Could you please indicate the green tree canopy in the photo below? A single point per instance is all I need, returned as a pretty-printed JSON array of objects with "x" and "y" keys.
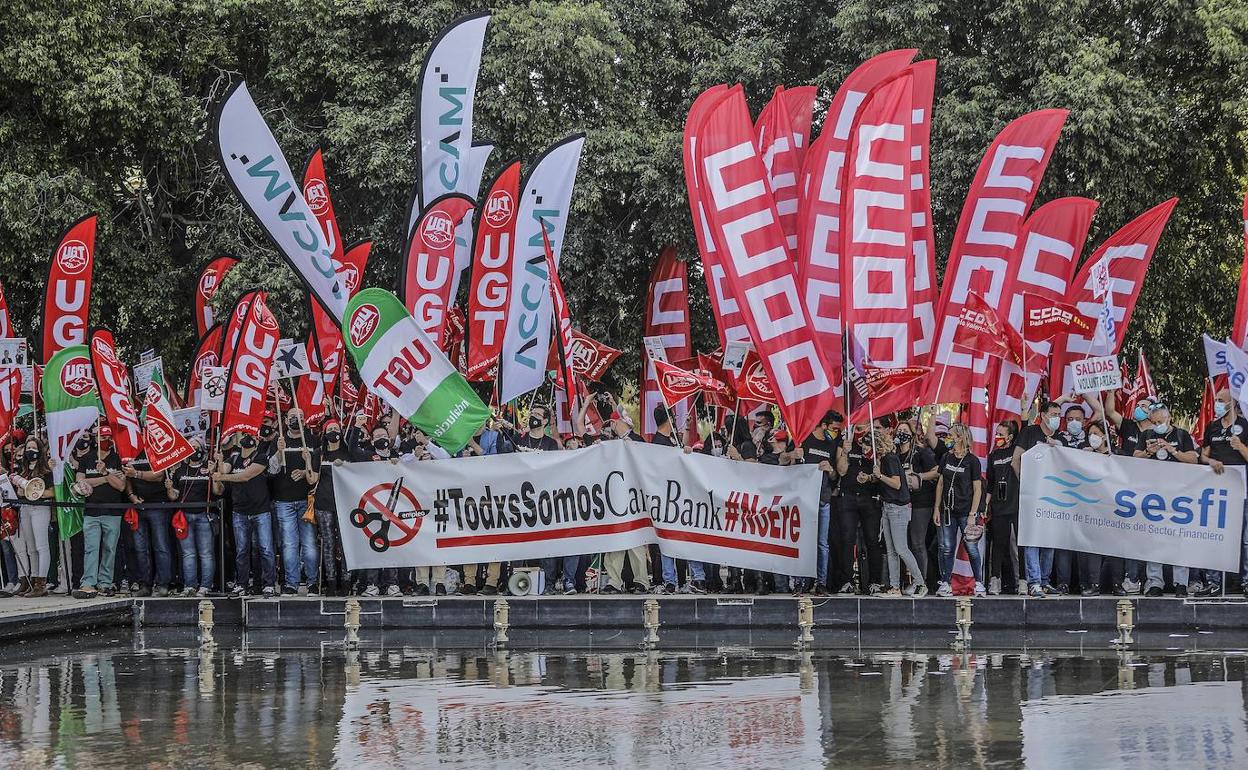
[{"x": 105, "y": 104}]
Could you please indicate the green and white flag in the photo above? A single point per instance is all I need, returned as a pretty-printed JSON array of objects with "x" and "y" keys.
[
  {"x": 70, "y": 402},
  {"x": 401, "y": 365}
]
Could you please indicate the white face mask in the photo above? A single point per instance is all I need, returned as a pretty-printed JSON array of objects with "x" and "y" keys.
[
  {"x": 1075, "y": 427},
  {"x": 1095, "y": 440},
  {"x": 1054, "y": 422}
]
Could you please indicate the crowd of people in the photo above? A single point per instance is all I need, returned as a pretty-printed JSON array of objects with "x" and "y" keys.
[{"x": 258, "y": 517}]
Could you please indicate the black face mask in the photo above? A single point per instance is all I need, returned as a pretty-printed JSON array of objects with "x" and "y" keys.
[
  {"x": 381, "y": 444},
  {"x": 292, "y": 426},
  {"x": 266, "y": 431},
  {"x": 333, "y": 438},
  {"x": 197, "y": 456},
  {"x": 902, "y": 439},
  {"x": 31, "y": 455},
  {"x": 247, "y": 442},
  {"x": 535, "y": 423},
  {"x": 83, "y": 446}
]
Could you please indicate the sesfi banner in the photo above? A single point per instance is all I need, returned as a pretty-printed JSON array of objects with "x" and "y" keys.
[
  {"x": 1163, "y": 512},
  {"x": 608, "y": 497}
]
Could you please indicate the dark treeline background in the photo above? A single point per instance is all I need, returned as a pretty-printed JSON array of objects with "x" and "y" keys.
[{"x": 105, "y": 104}]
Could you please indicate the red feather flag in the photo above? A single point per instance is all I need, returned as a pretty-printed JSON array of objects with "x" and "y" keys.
[
  {"x": 1239, "y": 330},
  {"x": 112, "y": 380},
  {"x": 247, "y": 384},
  {"x": 667, "y": 317},
  {"x": 489, "y": 294},
  {"x": 428, "y": 270},
  {"x": 67, "y": 301},
  {"x": 210, "y": 279},
  {"x": 10, "y": 399}
]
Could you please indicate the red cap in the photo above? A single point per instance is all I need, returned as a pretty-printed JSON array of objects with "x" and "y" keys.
[
  {"x": 269, "y": 414},
  {"x": 17, "y": 435},
  {"x": 105, "y": 430}
]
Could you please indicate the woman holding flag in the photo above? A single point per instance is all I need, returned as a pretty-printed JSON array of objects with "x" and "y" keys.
[{"x": 958, "y": 491}]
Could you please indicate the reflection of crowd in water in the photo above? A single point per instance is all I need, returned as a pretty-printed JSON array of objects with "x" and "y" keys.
[{"x": 125, "y": 707}]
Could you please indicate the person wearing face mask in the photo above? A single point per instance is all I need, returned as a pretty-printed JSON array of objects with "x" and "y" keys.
[
  {"x": 1074, "y": 433},
  {"x": 957, "y": 499},
  {"x": 895, "y": 500},
  {"x": 1167, "y": 443},
  {"x": 536, "y": 440},
  {"x": 31, "y": 544},
  {"x": 293, "y": 473},
  {"x": 1039, "y": 561},
  {"x": 921, "y": 468},
  {"x": 364, "y": 445},
  {"x": 333, "y": 454},
  {"x": 101, "y": 527},
  {"x": 1223, "y": 445},
  {"x": 664, "y": 436},
  {"x": 859, "y": 510},
  {"x": 1002, "y": 510},
  {"x": 1092, "y": 565},
  {"x": 1074, "y": 436},
  {"x": 188, "y": 484},
  {"x": 819, "y": 448},
  {"x": 151, "y": 547},
  {"x": 621, "y": 429},
  {"x": 244, "y": 475}
]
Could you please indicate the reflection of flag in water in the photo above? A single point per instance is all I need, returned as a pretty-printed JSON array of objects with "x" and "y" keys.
[{"x": 963, "y": 579}]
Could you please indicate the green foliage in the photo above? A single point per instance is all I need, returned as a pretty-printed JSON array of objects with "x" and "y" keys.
[{"x": 105, "y": 105}]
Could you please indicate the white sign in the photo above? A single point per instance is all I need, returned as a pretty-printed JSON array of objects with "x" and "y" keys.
[
  {"x": 608, "y": 497},
  {"x": 655, "y": 348},
  {"x": 1096, "y": 374},
  {"x": 12, "y": 352},
  {"x": 1100, "y": 277},
  {"x": 191, "y": 422},
  {"x": 291, "y": 360},
  {"x": 28, "y": 379},
  {"x": 212, "y": 388},
  {"x": 735, "y": 352},
  {"x": 144, "y": 372},
  {"x": 1151, "y": 510}
]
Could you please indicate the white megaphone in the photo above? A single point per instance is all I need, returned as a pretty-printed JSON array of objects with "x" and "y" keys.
[{"x": 526, "y": 581}]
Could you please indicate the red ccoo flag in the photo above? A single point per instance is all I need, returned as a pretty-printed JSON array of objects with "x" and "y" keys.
[
  {"x": 1043, "y": 318},
  {"x": 981, "y": 329}
]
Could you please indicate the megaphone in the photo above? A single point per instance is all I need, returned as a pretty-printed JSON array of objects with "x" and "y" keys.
[{"x": 519, "y": 585}]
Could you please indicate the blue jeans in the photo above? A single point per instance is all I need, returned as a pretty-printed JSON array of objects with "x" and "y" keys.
[
  {"x": 257, "y": 527},
  {"x": 1243, "y": 554},
  {"x": 10, "y": 561},
  {"x": 298, "y": 543},
  {"x": 154, "y": 530},
  {"x": 696, "y": 570},
  {"x": 1039, "y": 563},
  {"x": 198, "y": 562},
  {"x": 825, "y": 549},
  {"x": 550, "y": 567},
  {"x": 949, "y": 536}
]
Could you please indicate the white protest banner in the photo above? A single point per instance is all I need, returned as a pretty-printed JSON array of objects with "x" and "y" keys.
[
  {"x": 1092, "y": 375},
  {"x": 191, "y": 422},
  {"x": 608, "y": 497},
  {"x": 13, "y": 352},
  {"x": 291, "y": 360},
  {"x": 1164, "y": 512},
  {"x": 1215, "y": 356},
  {"x": 655, "y": 348},
  {"x": 144, "y": 371},
  {"x": 212, "y": 388}
]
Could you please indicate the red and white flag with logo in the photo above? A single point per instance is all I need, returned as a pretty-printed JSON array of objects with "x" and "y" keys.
[
  {"x": 164, "y": 445},
  {"x": 210, "y": 279},
  {"x": 247, "y": 384},
  {"x": 112, "y": 380},
  {"x": 489, "y": 293},
  {"x": 67, "y": 301},
  {"x": 428, "y": 270}
]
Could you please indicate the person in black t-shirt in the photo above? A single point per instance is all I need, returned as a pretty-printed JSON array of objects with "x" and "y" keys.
[
  {"x": 895, "y": 502},
  {"x": 919, "y": 463},
  {"x": 1167, "y": 443},
  {"x": 820, "y": 448},
  {"x": 1224, "y": 444},
  {"x": 1091, "y": 564},
  {"x": 664, "y": 436},
  {"x": 1002, "y": 510},
  {"x": 188, "y": 484},
  {"x": 151, "y": 542},
  {"x": 245, "y": 475},
  {"x": 101, "y": 527},
  {"x": 333, "y": 454},
  {"x": 859, "y": 510},
  {"x": 293, "y": 481},
  {"x": 957, "y": 499},
  {"x": 621, "y": 429},
  {"x": 1038, "y": 561}
]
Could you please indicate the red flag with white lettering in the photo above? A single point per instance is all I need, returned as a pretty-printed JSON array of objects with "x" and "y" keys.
[
  {"x": 1045, "y": 318},
  {"x": 325, "y": 348},
  {"x": 1239, "y": 330},
  {"x": 987, "y": 236},
  {"x": 744, "y": 223},
  {"x": 112, "y": 382},
  {"x": 676, "y": 384},
  {"x": 982, "y": 330},
  {"x": 877, "y": 253},
  {"x": 819, "y": 205},
  {"x": 490, "y": 291},
  {"x": 316, "y": 193},
  {"x": 67, "y": 301},
  {"x": 728, "y": 319},
  {"x": 781, "y": 145},
  {"x": 210, "y": 279},
  {"x": 207, "y": 353},
  {"x": 1047, "y": 252},
  {"x": 1129, "y": 252},
  {"x": 163, "y": 445},
  {"x": 667, "y": 317},
  {"x": 591, "y": 358},
  {"x": 428, "y": 270},
  {"x": 752, "y": 382},
  {"x": 247, "y": 384}
]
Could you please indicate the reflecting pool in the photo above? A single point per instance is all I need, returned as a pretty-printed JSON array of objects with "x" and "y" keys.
[{"x": 113, "y": 700}]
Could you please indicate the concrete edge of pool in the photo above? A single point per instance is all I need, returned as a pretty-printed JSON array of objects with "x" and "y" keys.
[{"x": 839, "y": 616}]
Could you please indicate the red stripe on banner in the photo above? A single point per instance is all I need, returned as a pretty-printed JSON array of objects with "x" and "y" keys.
[
  {"x": 728, "y": 542},
  {"x": 588, "y": 530}
]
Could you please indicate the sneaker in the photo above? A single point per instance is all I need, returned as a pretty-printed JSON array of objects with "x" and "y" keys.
[
  {"x": 609, "y": 589},
  {"x": 848, "y": 588},
  {"x": 570, "y": 590},
  {"x": 1061, "y": 589},
  {"x": 188, "y": 592},
  {"x": 979, "y": 589},
  {"x": 684, "y": 589},
  {"x": 1180, "y": 592},
  {"x": 466, "y": 589},
  {"x": 894, "y": 591},
  {"x": 371, "y": 591},
  {"x": 108, "y": 591},
  {"x": 697, "y": 587},
  {"x": 160, "y": 592},
  {"x": 490, "y": 590},
  {"x": 141, "y": 591},
  {"x": 994, "y": 586},
  {"x": 1209, "y": 589},
  {"x": 819, "y": 590},
  {"x": 1153, "y": 592},
  {"x": 124, "y": 587},
  {"x": 1049, "y": 590},
  {"x": 944, "y": 589},
  {"x": 269, "y": 592},
  {"x": 638, "y": 588},
  {"x": 289, "y": 590},
  {"x": 1035, "y": 591},
  {"x": 874, "y": 589},
  {"x": 1120, "y": 591},
  {"x": 85, "y": 593},
  {"x": 302, "y": 590},
  {"x": 396, "y": 591},
  {"x": 1130, "y": 586},
  {"x": 237, "y": 592},
  {"x": 439, "y": 590},
  {"x": 202, "y": 592},
  {"x": 920, "y": 590},
  {"x": 1091, "y": 590}
]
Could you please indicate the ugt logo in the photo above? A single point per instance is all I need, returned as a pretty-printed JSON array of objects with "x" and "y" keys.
[
  {"x": 499, "y": 208},
  {"x": 438, "y": 231},
  {"x": 73, "y": 257},
  {"x": 401, "y": 512}
]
